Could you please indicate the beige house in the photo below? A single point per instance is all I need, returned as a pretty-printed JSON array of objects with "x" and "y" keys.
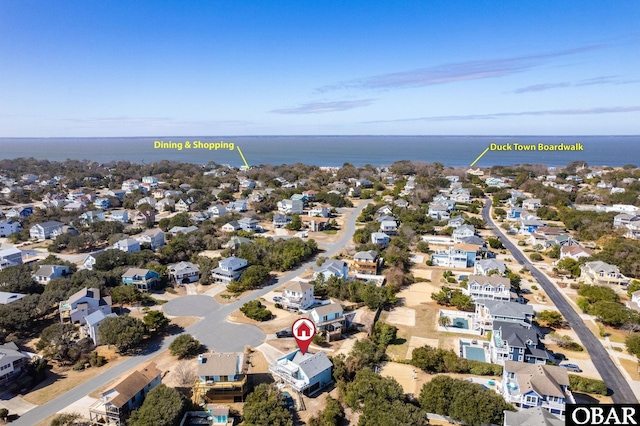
[{"x": 602, "y": 273}]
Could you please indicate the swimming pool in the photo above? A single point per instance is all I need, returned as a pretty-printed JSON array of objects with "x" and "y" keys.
[
  {"x": 475, "y": 354},
  {"x": 460, "y": 323}
]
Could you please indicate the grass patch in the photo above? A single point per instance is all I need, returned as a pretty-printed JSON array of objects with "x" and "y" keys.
[
  {"x": 631, "y": 367},
  {"x": 330, "y": 231}
]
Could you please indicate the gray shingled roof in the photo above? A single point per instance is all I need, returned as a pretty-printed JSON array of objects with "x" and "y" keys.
[
  {"x": 506, "y": 309},
  {"x": 312, "y": 364}
]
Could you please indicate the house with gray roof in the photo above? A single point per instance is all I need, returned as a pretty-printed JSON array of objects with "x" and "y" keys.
[
  {"x": 12, "y": 362},
  {"x": 248, "y": 224},
  {"x": 463, "y": 231},
  {"x": 10, "y": 256},
  {"x": 154, "y": 237},
  {"x": 485, "y": 266},
  {"x": 380, "y": 238},
  {"x": 487, "y": 311},
  {"x": 221, "y": 377},
  {"x": 127, "y": 245},
  {"x": 82, "y": 303},
  {"x": 602, "y": 273},
  {"x": 46, "y": 273},
  {"x": 535, "y": 385},
  {"x": 331, "y": 267},
  {"x": 513, "y": 342},
  {"x": 329, "y": 317},
  {"x": 298, "y": 295},
  {"x": 184, "y": 272},
  {"x": 6, "y": 297},
  {"x": 45, "y": 230},
  {"x": 182, "y": 230},
  {"x": 367, "y": 262},
  {"x": 92, "y": 322},
  {"x": 143, "y": 279},
  {"x": 229, "y": 269},
  {"x": 281, "y": 220},
  {"x": 308, "y": 373},
  {"x": 536, "y": 416}
]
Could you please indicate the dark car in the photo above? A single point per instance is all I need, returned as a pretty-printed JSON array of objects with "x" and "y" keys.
[{"x": 284, "y": 333}]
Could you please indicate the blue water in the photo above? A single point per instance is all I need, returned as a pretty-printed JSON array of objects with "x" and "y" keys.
[
  {"x": 475, "y": 354},
  {"x": 453, "y": 151}
]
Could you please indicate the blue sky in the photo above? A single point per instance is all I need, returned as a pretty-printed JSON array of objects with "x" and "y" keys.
[{"x": 148, "y": 68}]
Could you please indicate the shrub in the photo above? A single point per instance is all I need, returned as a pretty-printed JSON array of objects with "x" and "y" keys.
[
  {"x": 535, "y": 257},
  {"x": 584, "y": 384},
  {"x": 534, "y": 287},
  {"x": 185, "y": 345},
  {"x": 79, "y": 366},
  {"x": 96, "y": 360},
  {"x": 256, "y": 311}
]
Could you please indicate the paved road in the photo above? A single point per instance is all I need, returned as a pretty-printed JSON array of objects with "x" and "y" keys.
[
  {"x": 213, "y": 329},
  {"x": 610, "y": 374}
]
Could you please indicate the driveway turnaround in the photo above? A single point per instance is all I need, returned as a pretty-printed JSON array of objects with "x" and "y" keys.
[{"x": 195, "y": 306}]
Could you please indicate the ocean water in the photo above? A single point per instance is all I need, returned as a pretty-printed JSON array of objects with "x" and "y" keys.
[{"x": 453, "y": 151}]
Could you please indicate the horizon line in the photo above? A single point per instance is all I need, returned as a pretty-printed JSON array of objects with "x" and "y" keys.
[{"x": 308, "y": 136}]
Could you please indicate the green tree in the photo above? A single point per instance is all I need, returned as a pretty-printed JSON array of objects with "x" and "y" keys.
[
  {"x": 155, "y": 320},
  {"x": 552, "y": 319},
  {"x": 125, "y": 294},
  {"x": 332, "y": 415},
  {"x": 59, "y": 342},
  {"x": 265, "y": 406},
  {"x": 184, "y": 346},
  {"x": 612, "y": 313},
  {"x": 124, "y": 332},
  {"x": 598, "y": 293},
  {"x": 632, "y": 343},
  {"x": 495, "y": 243},
  {"x": 633, "y": 287},
  {"x": 110, "y": 259},
  {"x": 295, "y": 224},
  {"x": 162, "y": 406},
  {"x": 463, "y": 401},
  {"x": 256, "y": 311}
]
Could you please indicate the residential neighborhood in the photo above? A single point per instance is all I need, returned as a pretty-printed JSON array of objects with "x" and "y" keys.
[{"x": 405, "y": 272}]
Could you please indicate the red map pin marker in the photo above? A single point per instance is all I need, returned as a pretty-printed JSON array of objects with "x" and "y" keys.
[{"x": 303, "y": 331}]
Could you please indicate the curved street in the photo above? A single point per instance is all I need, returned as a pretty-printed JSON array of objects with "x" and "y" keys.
[
  {"x": 213, "y": 330},
  {"x": 610, "y": 374}
]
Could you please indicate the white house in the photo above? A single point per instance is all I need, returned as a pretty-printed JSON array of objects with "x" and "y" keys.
[
  {"x": 153, "y": 237},
  {"x": 184, "y": 272},
  {"x": 493, "y": 287},
  {"x": 380, "y": 238},
  {"x": 82, "y": 303},
  {"x": 319, "y": 211},
  {"x": 12, "y": 362},
  {"x": 46, "y": 273},
  {"x": 10, "y": 257},
  {"x": 528, "y": 385},
  {"x": 463, "y": 231},
  {"x": 217, "y": 210},
  {"x": 229, "y": 269},
  {"x": 92, "y": 322},
  {"x": 44, "y": 230},
  {"x": 484, "y": 266},
  {"x": 127, "y": 245},
  {"x": 298, "y": 295},
  {"x": 290, "y": 206},
  {"x": 532, "y": 204},
  {"x": 121, "y": 216}
]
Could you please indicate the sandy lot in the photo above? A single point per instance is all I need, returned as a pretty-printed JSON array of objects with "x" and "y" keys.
[
  {"x": 402, "y": 316},
  {"x": 417, "y": 342}
]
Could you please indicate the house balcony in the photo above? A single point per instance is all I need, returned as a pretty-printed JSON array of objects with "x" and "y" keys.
[
  {"x": 223, "y": 386},
  {"x": 285, "y": 374}
]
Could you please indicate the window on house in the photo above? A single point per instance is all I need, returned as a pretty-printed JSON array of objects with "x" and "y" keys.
[{"x": 530, "y": 399}]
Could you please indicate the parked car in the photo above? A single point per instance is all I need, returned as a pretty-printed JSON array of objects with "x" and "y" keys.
[
  {"x": 277, "y": 299},
  {"x": 559, "y": 357},
  {"x": 572, "y": 367},
  {"x": 284, "y": 333}
]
